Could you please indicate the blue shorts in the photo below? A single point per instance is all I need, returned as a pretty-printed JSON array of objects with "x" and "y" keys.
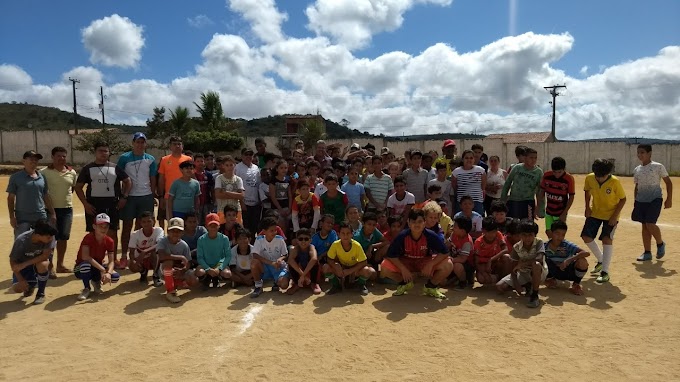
[
  {"x": 64, "y": 223},
  {"x": 647, "y": 212},
  {"x": 521, "y": 209},
  {"x": 271, "y": 273},
  {"x": 30, "y": 274},
  {"x": 177, "y": 214},
  {"x": 135, "y": 205},
  {"x": 592, "y": 227}
]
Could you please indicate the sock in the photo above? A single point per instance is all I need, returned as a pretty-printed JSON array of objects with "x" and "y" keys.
[
  {"x": 595, "y": 250},
  {"x": 361, "y": 280},
  {"x": 334, "y": 280},
  {"x": 579, "y": 273},
  {"x": 42, "y": 282},
  {"x": 534, "y": 295},
  {"x": 85, "y": 273},
  {"x": 608, "y": 252},
  {"x": 169, "y": 280},
  {"x": 258, "y": 283},
  {"x": 429, "y": 284},
  {"x": 660, "y": 244}
]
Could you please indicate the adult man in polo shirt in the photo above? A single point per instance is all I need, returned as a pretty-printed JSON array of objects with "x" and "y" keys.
[
  {"x": 61, "y": 179},
  {"x": 105, "y": 194},
  {"x": 249, "y": 172},
  {"x": 28, "y": 199},
  {"x": 142, "y": 170},
  {"x": 168, "y": 172}
]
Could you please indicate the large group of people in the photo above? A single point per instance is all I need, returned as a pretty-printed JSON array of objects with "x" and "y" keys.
[{"x": 346, "y": 218}]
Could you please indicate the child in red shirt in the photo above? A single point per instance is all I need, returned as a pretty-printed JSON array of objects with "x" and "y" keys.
[
  {"x": 461, "y": 252},
  {"x": 491, "y": 251},
  {"x": 90, "y": 266}
]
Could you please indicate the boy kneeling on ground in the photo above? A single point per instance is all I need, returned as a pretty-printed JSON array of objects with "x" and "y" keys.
[
  {"x": 90, "y": 266},
  {"x": 566, "y": 261}
]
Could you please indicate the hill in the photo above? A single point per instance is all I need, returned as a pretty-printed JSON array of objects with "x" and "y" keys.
[{"x": 22, "y": 116}]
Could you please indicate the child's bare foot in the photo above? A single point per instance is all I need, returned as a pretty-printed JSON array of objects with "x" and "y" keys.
[{"x": 294, "y": 288}]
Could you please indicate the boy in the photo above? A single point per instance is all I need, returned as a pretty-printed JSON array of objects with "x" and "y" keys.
[
  {"x": 142, "y": 247},
  {"x": 608, "y": 201},
  {"x": 529, "y": 269},
  {"x": 491, "y": 260},
  {"x": 306, "y": 208},
  {"x": 340, "y": 170},
  {"x": 229, "y": 188},
  {"x": 333, "y": 201},
  {"x": 478, "y": 150},
  {"x": 192, "y": 232},
  {"x": 372, "y": 240},
  {"x": 269, "y": 258},
  {"x": 417, "y": 249},
  {"x": 440, "y": 179},
  {"x": 523, "y": 184},
  {"x": 303, "y": 264},
  {"x": 461, "y": 252},
  {"x": 416, "y": 177},
  {"x": 184, "y": 193},
  {"x": 90, "y": 266},
  {"x": 241, "y": 258},
  {"x": 175, "y": 256},
  {"x": 230, "y": 227},
  {"x": 395, "y": 226},
  {"x": 207, "y": 182},
  {"x": 466, "y": 209},
  {"x": 648, "y": 200},
  {"x": 354, "y": 190},
  {"x": 401, "y": 201},
  {"x": 520, "y": 154},
  {"x": 499, "y": 211},
  {"x": 512, "y": 235},
  {"x": 565, "y": 260},
  {"x": 378, "y": 186},
  {"x": 346, "y": 258},
  {"x": 29, "y": 260},
  {"x": 325, "y": 237},
  {"x": 214, "y": 254},
  {"x": 558, "y": 190}
]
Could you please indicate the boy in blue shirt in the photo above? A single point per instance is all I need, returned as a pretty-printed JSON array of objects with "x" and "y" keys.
[
  {"x": 303, "y": 265},
  {"x": 355, "y": 191},
  {"x": 184, "y": 193},
  {"x": 565, "y": 260},
  {"x": 326, "y": 236}
]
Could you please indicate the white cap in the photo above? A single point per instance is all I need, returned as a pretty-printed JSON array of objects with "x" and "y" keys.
[
  {"x": 102, "y": 219},
  {"x": 176, "y": 223}
]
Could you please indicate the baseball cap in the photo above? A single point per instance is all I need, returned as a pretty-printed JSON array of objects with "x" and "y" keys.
[
  {"x": 32, "y": 153},
  {"x": 354, "y": 147},
  {"x": 385, "y": 151},
  {"x": 102, "y": 219},
  {"x": 247, "y": 150},
  {"x": 176, "y": 223},
  {"x": 369, "y": 146},
  {"x": 138, "y": 135},
  {"x": 449, "y": 142},
  {"x": 212, "y": 219}
]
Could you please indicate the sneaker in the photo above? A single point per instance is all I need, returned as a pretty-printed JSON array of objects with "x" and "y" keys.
[
  {"x": 215, "y": 282},
  {"x": 334, "y": 290},
  {"x": 434, "y": 292},
  {"x": 116, "y": 265},
  {"x": 275, "y": 288},
  {"x": 157, "y": 282},
  {"x": 39, "y": 299},
  {"x": 603, "y": 278},
  {"x": 597, "y": 269},
  {"x": 53, "y": 275},
  {"x": 97, "y": 286},
  {"x": 461, "y": 285},
  {"x": 528, "y": 289},
  {"x": 29, "y": 291},
  {"x": 316, "y": 289},
  {"x": 576, "y": 289},
  {"x": 144, "y": 277},
  {"x": 84, "y": 295},
  {"x": 256, "y": 292},
  {"x": 205, "y": 283},
  {"x": 534, "y": 303},
  {"x": 363, "y": 290},
  {"x": 294, "y": 288},
  {"x": 403, "y": 288},
  {"x": 647, "y": 256},
  {"x": 551, "y": 283},
  {"x": 661, "y": 250},
  {"x": 172, "y": 297}
]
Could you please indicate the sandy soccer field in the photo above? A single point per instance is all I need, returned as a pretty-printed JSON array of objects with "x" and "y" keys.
[{"x": 626, "y": 330}]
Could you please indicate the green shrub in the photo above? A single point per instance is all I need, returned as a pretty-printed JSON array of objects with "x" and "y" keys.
[{"x": 202, "y": 141}]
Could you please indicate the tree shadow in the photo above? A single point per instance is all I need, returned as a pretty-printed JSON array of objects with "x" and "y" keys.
[
  {"x": 400, "y": 307},
  {"x": 652, "y": 270}
]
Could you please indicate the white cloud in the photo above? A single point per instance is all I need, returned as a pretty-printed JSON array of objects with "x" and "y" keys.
[
  {"x": 264, "y": 17},
  {"x": 114, "y": 41},
  {"x": 200, "y": 21},
  {"x": 13, "y": 77},
  {"x": 584, "y": 70},
  {"x": 354, "y": 22}
]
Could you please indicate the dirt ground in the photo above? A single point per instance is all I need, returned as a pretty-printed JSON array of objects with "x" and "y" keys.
[{"x": 626, "y": 330}]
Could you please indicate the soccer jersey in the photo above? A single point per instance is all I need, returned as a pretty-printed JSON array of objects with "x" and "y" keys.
[
  {"x": 305, "y": 209},
  {"x": 366, "y": 241},
  {"x": 139, "y": 241},
  {"x": 398, "y": 206},
  {"x": 213, "y": 253},
  {"x": 469, "y": 182},
  {"x": 334, "y": 205},
  {"x": 169, "y": 168},
  {"x": 565, "y": 250},
  {"x": 231, "y": 233},
  {"x": 322, "y": 245},
  {"x": 485, "y": 250},
  {"x": 428, "y": 244},
  {"x": 24, "y": 249},
  {"x": 647, "y": 178},
  {"x": 184, "y": 194},
  {"x": 60, "y": 185},
  {"x": 241, "y": 262},
  {"x": 379, "y": 187},
  {"x": 206, "y": 183},
  {"x": 181, "y": 248},
  {"x": 230, "y": 184},
  {"x": 250, "y": 175},
  {"x": 270, "y": 250},
  {"x": 605, "y": 196},
  {"x": 461, "y": 246},
  {"x": 97, "y": 250},
  {"x": 140, "y": 169},
  {"x": 347, "y": 258},
  {"x": 522, "y": 183},
  {"x": 558, "y": 191}
]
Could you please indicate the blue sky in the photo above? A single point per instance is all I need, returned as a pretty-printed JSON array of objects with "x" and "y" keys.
[{"x": 44, "y": 39}]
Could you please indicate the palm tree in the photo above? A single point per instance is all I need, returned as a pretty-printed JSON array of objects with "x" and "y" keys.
[
  {"x": 179, "y": 120},
  {"x": 211, "y": 111},
  {"x": 311, "y": 131}
]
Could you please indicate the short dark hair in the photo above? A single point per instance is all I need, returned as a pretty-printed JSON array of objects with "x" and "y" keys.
[
  {"x": 463, "y": 222},
  {"x": 558, "y": 163},
  {"x": 267, "y": 223},
  {"x": 260, "y": 140},
  {"x": 229, "y": 208},
  {"x": 243, "y": 232},
  {"x": 558, "y": 225},
  {"x": 326, "y": 216},
  {"x": 466, "y": 152},
  {"x": 43, "y": 228},
  {"x": 466, "y": 197},
  {"x": 175, "y": 138},
  {"x": 344, "y": 225},
  {"x": 368, "y": 216},
  {"x": 358, "y": 160},
  {"x": 209, "y": 154},
  {"x": 186, "y": 164},
  {"x": 427, "y": 156},
  {"x": 145, "y": 214},
  {"x": 59, "y": 149},
  {"x": 303, "y": 182},
  {"x": 440, "y": 165},
  {"x": 433, "y": 188},
  {"x": 512, "y": 228},
  {"x": 331, "y": 178},
  {"x": 477, "y": 146},
  {"x": 199, "y": 155},
  {"x": 314, "y": 163},
  {"x": 530, "y": 150},
  {"x": 271, "y": 213},
  {"x": 99, "y": 144},
  {"x": 270, "y": 156},
  {"x": 489, "y": 224},
  {"x": 376, "y": 158},
  {"x": 644, "y": 146},
  {"x": 520, "y": 150},
  {"x": 498, "y": 206},
  {"x": 415, "y": 213},
  {"x": 602, "y": 167},
  {"x": 393, "y": 219},
  {"x": 190, "y": 214},
  {"x": 399, "y": 179},
  {"x": 303, "y": 232},
  {"x": 528, "y": 226}
]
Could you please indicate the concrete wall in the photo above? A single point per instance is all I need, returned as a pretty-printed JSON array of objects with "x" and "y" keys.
[{"x": 579, "y": 155}]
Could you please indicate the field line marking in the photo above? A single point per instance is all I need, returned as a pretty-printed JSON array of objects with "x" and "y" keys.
[
  {"x": 247, "y": 321},
  {"x": 628, "y": 221}
]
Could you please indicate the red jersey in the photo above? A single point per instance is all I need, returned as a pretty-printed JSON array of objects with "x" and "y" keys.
[
  {"x": 305, "y": 209},
  {"x": 485, "y": 250},
  {"x": 97, "y": 250},
  {"x": 557, "y": 192}
]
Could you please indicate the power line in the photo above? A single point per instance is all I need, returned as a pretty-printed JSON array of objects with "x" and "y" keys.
[{"x": 554, "y": 94}]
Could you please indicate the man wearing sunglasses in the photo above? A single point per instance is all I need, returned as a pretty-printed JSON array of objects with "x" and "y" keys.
[{"x": 250, "y": 173}]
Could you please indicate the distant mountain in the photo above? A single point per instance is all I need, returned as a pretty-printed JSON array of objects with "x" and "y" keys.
[{"x": 22, "y": 116}]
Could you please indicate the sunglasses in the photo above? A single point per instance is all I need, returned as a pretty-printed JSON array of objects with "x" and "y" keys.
[{"x": 303, "y": 238}]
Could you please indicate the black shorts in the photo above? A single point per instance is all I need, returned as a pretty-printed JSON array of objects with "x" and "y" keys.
[
  {"x": 521, "y": 209},
  {"x": 107, "y": 206},
  {"x": 568, "y": 274},
  {"x": 647, "y": 212},
  {"x": 592, "y": 226}
]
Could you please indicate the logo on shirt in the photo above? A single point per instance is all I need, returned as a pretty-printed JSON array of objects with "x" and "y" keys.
[{"x": 608, "y": 191}]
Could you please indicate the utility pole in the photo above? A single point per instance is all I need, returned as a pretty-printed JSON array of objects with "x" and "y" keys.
[
  {"x": 101, "y": 105},
  {"x": 553, "y": 92},
  {"x": 75, "y": 110}
]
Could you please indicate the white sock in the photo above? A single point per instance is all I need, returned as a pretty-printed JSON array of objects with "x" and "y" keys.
[
  {"x": 595, "y": 250},
  {"x": 608, "y": 252}
]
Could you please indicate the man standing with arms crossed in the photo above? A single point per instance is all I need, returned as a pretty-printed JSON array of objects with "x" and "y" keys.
[
  {"x": 168, "y": 172},
  {"x": 249, "y": 172}
]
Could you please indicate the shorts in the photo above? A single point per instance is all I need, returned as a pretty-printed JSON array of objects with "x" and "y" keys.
[
  {"x": 412, "y": 264},
  {"x": 647, "y": 212},
  {"x": 161, "y": 210},
  {"x": 570, "y": 273},
  {"x": 30, "y": 274},
  {"x": 85, "y": 267},
  {"x": 103, "y": 205},
  {"x": 147, "y": 262},
  {"x": 549, "y": 220},
  {"x": 525, "y": 277},
  {"x": 269, "y": 272},
  {"x": 521, "y": 209},
  {"x": 21, "y": 228},
  {"x": 592, "y": 226},
  {"x": 64, "y": 223},
  {"x": 181, "y": 215},
  {"x": 135, "y": 205}
]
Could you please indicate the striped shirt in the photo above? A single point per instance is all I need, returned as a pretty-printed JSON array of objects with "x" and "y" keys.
[
  {"x": 558, "y": 191},
  {"x": 379, "y": 187},
  {"x": 565, "y": 250},
  {"x": 469, "y": 182}
]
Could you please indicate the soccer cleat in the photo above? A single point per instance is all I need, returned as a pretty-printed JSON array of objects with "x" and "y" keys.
[
  {"x": 172, "y": 297},
  {"x": 84, "y": 295},
  {"x": 534, "y": 302},
  {"x": 433, "y": 292},
  {"x": 256, "y": 292},
  {"x": 363, "y": 290},
  {"x": 29, "y": 291},
  {"x": 647, "y": 256},
  {"x": 661, "y": 250},
  {"x": 403, "y": 288},
  {"x": 97, "y": 286},
  {"x": 334, "y": 289},
  {"x": 603, "y": 278},
  {"x": 597, "y": 269},
  {"x": 39, "y": 299}
]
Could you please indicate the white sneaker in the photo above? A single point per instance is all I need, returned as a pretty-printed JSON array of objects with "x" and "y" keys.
[
  {"x": 172, "y": 297},
  {"x": 84, "y": 295},
  {"x": 97, "y": 286}
]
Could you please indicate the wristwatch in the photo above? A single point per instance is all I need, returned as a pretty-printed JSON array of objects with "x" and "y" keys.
[{"x": 125, "y": 197}]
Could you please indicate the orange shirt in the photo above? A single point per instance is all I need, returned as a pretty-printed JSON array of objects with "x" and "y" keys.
[
  {"x": 485, "y": 251},
  {"x": 169, "y": 167}
]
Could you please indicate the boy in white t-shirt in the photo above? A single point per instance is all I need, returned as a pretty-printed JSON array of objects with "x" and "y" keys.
[
  {"x": 401, "y": 202},
  {"x": 241, "y": 259},
  {"x": 269, "y": 258},
  {"x": 142, "y": 247}
]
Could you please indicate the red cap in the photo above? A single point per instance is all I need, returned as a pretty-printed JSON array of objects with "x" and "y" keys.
[
  {"x": 449, "y": 142},
  {"x": 212, "y": 219}
]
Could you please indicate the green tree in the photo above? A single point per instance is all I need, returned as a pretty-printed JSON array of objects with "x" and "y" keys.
[
  {"x": 311, "y": 131},
  {"x": 179, "y": 120},
  {"x": 211, "y": 111},
  {"x": 117, "y": 145},
  {"x": 219, "y": 141}
]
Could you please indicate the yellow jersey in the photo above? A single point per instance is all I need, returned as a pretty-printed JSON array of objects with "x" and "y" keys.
[
  {"x": 348, "y": 259},
  {"x": 605, "y": 196}
]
